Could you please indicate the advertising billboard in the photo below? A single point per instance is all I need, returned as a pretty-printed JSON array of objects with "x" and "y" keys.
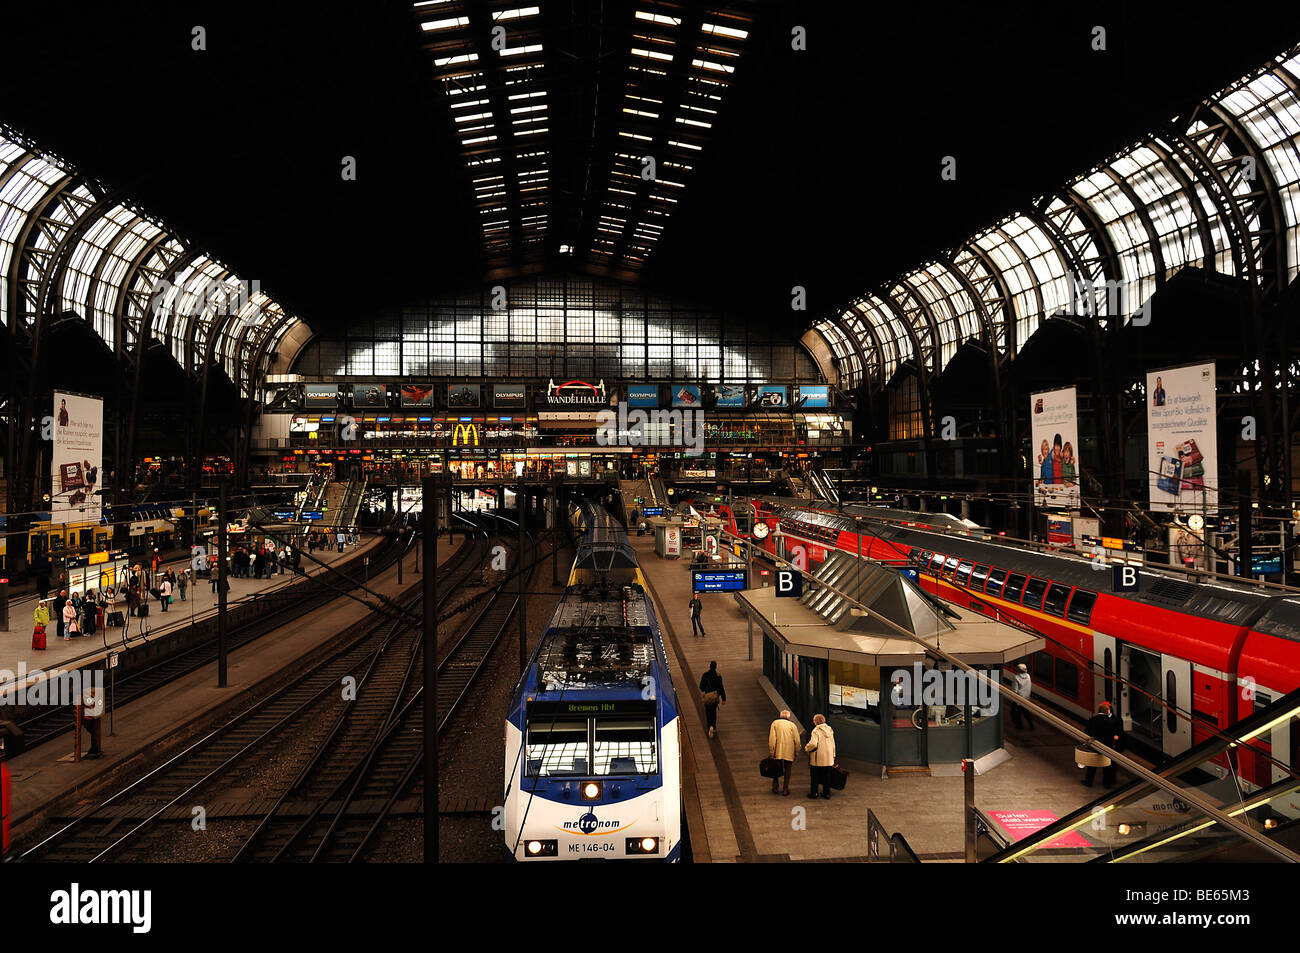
[
  {"x": 369, "y": 395},
  {"x": 417, "y": 395},
  {"x": 510, "y": 396},
  {"x": 813, "y": 395},
  {"x": 643, "y": 395},
  {"x": 1054, "y": 441},
  {"x": 78, "y": 458},
  {"x": 576, "y": 393},
  {"x": 687, "y": 395},
  {"x": 461, "y": 396},
  {"x": 770, "y": 396},
  {"x": 320, "y": 395},
  {"x": 731, "y": 395},
  {"x": 1182, "y": 443}
]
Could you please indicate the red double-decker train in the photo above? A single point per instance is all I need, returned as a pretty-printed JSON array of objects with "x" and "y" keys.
[{"x": 1178, "y": 659}]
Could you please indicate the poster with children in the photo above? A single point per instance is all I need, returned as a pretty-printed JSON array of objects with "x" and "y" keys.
[{"x": 1054, "y": 426}]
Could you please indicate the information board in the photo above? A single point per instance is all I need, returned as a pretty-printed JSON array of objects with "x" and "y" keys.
[{"x": 718, "y": 580}]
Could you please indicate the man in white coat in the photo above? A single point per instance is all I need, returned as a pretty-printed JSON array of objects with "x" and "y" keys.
[
  {"x": 821, "y": 744},
  {"x": 1025, "y": 689},
  {"x": 782, "y": 744}
]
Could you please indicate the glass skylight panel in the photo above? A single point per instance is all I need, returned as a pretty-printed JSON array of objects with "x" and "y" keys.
[
  {"x": 712, "y": 65},
  {"x": 431, "y": 26},
  {"x": 658, "y": 18},
  {"x": 714, "y": 29},
  {"x": 652, "y": 54},
  {"x": 517, "y": 13},
  {"x": 455, "y": 60}
]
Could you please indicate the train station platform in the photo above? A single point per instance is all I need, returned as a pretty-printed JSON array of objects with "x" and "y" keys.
[
  {"x": 22, "y": 666},
  {"x": 152, "y": 728},
  {"x": 730, "y": 809}
]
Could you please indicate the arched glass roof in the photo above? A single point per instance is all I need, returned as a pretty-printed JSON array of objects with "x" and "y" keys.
[
  {"x": 1222, "y": 193},
  {"x": 66, "y": 247}
]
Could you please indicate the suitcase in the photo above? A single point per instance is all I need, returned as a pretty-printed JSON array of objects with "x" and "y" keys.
[
  {"x": 143, "y": 609},
  {"x": 837, "y": 777},
  {"x": 771, "y": 768},
  {"x": 38, "y": 638},
  {"x": 99, "y": 617},
  {"x": 116, "y": 618}
]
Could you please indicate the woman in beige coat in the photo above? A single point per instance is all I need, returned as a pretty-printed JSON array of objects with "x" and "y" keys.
[{"x": 821, "y": 748}]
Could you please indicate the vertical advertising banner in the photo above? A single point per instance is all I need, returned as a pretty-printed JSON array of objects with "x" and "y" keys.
[
  {"x": 1054, "y": 429},
  {"x": 78, "y": 458},
  {"x": 1182, "y": 443}
]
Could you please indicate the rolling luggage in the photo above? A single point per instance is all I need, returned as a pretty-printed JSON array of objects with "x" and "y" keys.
[
  {"x": 38, "y": 638},
  {"x": 837, "y": 777}
]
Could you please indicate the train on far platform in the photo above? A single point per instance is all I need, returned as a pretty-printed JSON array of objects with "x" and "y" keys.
[
  {"x": 592, "y": 737},
  {"x": 1180, "y": 658}
]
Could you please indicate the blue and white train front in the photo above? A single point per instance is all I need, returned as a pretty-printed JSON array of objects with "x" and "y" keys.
[{"x": 594, "y": 779}]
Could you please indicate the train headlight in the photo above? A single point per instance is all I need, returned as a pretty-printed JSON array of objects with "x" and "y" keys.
[
  {"x": 643, "y": 845},
  {"x": 591, "y": 791},
  {"x": 541, "y": 848}
]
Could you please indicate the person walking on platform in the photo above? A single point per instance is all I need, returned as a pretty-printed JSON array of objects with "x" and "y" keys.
[
  {"x": 696, "y": 605},
  {"x": 714, "y": 695},
  {"x": 782, "y": 743},
  {"x": 1025, "y": 689},
  {"x": 822, "y": 747},
  {"x": 60, "y": 601},
  {"x": 164, "y": 593},
  {"x": 1107, "y": 728}
]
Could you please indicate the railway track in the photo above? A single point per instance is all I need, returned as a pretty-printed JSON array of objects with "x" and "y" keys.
[{"x": 125, "y": 826}]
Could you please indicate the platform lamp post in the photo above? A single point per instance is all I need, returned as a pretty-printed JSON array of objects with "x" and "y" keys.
[
  {"x": 429, "y": 491},
  {"x": 221, "y": 587}
]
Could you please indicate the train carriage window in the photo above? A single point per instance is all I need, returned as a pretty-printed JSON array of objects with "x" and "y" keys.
[
  {"x": 962, "y": 576},
  {"x": 1043, "y": 669},
  {"x": 1015, "y": 586},
  {"x": 978, "y": 576},
  {"x": 1034, "y": 590},
  {"x": 996, "y": 578},
  {"x": 936, "y": 564},
  {"x": 1067, "y": 678},
  {"x": 1057, "y": 596},
  {"x": 625, "y": 746},
  {"x": 950, "y": 566},
  {"x": 1081, "y": 604}
]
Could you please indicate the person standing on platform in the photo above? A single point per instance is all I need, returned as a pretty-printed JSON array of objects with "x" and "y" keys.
[
  {"x": 1107, "y": 728},
  {"x": 258, "y": 561},
  {"x": 1025, "y": 689},
  {"x": 60, "y": 601},
  {"x": 714, "y": 695},
  {"x": 69, "y": 626},
  {"x": 92, "y": 710},
  {"x": 89, "y": 609},
  {"x": 40, "y": 622},
  {"x": 696, "y": 605},
  {"x": 822, "y": 747},
  {"x": 183, "y": 582},
  {"x": 164, "y": 593},
  {"x": 782, "y": 744},
  {"x": 340, "y": 539}
]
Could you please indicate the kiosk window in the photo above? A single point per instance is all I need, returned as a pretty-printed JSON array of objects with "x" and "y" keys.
[
  {"x": 1015, "y": 585},
  {"x": 978, "y": 576},
  {"x": 1081, "y": 604},
  {"x": 1057, "y": 596},
  {"x": 1034, "y": 590},
  {"x": 996, "y": 578}
]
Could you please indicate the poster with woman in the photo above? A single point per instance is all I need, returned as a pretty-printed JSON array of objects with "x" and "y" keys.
[
  {"x": 1182, "y": 441},
  {"x": 1054, "y": 429}
]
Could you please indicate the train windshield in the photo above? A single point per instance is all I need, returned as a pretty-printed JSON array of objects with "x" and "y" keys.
[{"x": 591, "y": 747}]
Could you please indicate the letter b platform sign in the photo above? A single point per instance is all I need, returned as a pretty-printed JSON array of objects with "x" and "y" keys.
[
  {"x": 789, "y": 583},
  {"x": 1124, "y": 578}
]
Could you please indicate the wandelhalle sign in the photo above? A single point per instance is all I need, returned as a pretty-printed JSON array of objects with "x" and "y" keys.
[{"x": 576, "y": 393}]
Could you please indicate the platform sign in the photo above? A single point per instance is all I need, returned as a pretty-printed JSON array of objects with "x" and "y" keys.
[
  {"x": 1125, "y": 578},
  {"x": 725, "y": 580},
  {"x": 312, "y": 515},
  {"x": 789, "y": 583},
  {"x": 112, "y": 659},
  {"x": 285, "y": 515},
  {"x": 1182, "y": 439},
  {"x": 1020, "y": 824},
  {"x": 653, "y": 511}
]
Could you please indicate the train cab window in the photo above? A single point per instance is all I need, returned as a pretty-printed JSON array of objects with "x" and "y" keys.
[
  {"x": 1081, "y": 604},
  {"x": 1034, "y": 590},
  {"x": 1015, "y": 586},
  {"x": 1067, "y": 678},
  {"x": 936, "y": 564},
  {"x": 978, "y": 576},
  {"x": 950, "y": 566},
  {"x": 1057, "y": 596},
  {"x": 962, "y": 575},
  {"x": 625, "y": 745},
  {"x": 557, "y": 746},
  {"x": 996, "y": 578}
]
